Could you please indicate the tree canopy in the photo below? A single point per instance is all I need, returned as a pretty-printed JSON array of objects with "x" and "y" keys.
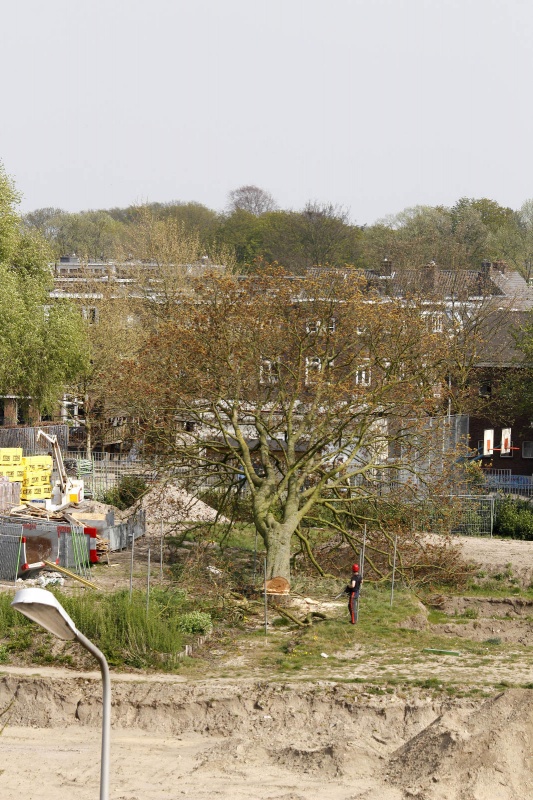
[
  {"x": 41, "y": 344},
  {"x": 300, "y": 389}
]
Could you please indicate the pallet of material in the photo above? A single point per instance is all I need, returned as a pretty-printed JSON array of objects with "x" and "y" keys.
[
  {"x": 37, "y": 463},
  {"x": 9, "y": 494},
  {"x": 11, "y": 456},
  {"x": 36, "y": 493},
  {"x": 39, "y": 512}
]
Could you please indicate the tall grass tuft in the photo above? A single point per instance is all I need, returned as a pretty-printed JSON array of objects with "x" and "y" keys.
[{"x": 121, "y": 627}]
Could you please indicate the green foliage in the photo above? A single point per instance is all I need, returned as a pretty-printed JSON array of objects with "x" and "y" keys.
[
  {"x": 129, "y": 489},
  {"x": 120, "y": 627},
  {"x": 196, "y": 622},
  {"x": 41, "y": 347},
  {"x": 514, "y": 518}
]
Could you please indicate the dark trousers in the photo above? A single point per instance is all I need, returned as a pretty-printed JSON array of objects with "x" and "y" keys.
[{"x": 351, "y": 606}]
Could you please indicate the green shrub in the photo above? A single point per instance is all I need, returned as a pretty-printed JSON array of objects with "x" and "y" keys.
[
  {"x": 514, "y": 518},
  {"x": 128, "y": 490},
  {"x": 198, "y": 622}
]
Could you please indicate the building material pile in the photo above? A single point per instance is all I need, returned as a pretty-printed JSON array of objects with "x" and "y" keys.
[
  {"x": 32, "y": 473},
  {"x": 37, "y": 478},
  {"x": 39, "y": 512},
  {"x": 9, "y": 493},
  {"x": 170, "y": 506}
]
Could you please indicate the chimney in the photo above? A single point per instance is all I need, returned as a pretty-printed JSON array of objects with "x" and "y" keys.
[
  {"x": 430, "y": 276},
  {"x": 485, "y": 268},
  {"x": 386, "y": 268}
]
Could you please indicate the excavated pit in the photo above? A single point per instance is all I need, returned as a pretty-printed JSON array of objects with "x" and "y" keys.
[{"x": 280, "y": 741}]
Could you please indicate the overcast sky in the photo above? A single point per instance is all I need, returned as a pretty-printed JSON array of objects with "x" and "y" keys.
[{"x": 375, "y": 105}]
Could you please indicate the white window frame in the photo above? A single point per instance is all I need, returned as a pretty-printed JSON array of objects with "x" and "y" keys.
[
  {"x": 313, "y": 365},
  {"x": 363, "y": 374},
  {"x": 530, "y": 448},
  {"x": 510, "y": 454},
  {"x": 90, "y": 314},
  {"x": 269, "y": 371},
  {"x": 434, "y": 321}
]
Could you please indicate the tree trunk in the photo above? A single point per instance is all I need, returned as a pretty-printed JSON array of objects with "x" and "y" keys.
[{"x": 278, "y": 547}]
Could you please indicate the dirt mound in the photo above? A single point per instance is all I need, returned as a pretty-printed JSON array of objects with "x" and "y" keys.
[
  {"x": 485, "y": 755},
  {"x": 288, "y": 741},
  {"x": 168, "y": 505},
  {"x": 489, "y": 606},
  {"x": 488, "y": 630}
]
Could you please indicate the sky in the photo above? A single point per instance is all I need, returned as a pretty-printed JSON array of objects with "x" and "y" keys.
[{"x": 373, "y": 105}]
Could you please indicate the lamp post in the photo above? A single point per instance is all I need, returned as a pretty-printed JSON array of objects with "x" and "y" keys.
[{"x": 42, "y": 607}]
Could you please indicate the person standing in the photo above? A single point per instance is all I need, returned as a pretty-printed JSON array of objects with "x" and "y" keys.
[{"x": 353, "y": 590}]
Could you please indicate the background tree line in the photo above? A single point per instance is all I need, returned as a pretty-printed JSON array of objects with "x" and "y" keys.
[{"x": 254, "y": 228}]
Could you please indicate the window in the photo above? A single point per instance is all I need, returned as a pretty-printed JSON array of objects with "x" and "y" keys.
[
  {"x": 90, "y": 313},
  {"x": 313, "y": 366},
  {"x": 315, "y": 326},
  {"x": 509, "y": 454},
  {"x": 269, "y": 371},
  {"x": 527, "y": 450},
  {"x": 485, "y": 389},
  {"x": 434, "y": 321},
  {"x": 363, "y": 375}
]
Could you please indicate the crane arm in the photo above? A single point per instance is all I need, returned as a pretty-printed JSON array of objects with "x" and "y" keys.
[{"x": 52, "y": 439}]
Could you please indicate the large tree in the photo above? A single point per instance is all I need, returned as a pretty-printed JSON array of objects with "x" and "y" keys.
[
  {"x": 297, "y": 388},
  {"x": 41, "y": 343},
  {"x": 252, "y": 199}
]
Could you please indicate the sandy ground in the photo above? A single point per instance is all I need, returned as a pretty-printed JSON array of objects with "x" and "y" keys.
[
  {"x": 247, "y": 739},
  {"x": 495, "y": 555},
  {"x": 324, "y": 735}
]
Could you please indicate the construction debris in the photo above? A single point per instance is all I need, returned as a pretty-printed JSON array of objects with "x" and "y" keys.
[
  {"x": 47, "y": 579},
  {"x": 102, "y": 548},
  {"x": 39, "y": 511},
  {"x": 70, "y": 574}
]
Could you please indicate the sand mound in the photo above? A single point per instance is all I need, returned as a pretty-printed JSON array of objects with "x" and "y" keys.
[{"x": 485, "y": 756}]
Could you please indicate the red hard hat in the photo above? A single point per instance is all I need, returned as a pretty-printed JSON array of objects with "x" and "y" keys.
[{"x": 355, "y": 568}]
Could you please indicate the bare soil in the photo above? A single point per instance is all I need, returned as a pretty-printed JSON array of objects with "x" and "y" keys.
[
  {"x": 270, "y": 741},
  {"x": 358, "y": 724}
]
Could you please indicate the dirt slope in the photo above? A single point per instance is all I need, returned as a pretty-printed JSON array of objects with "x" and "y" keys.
[{"x": 247, "y": 739}]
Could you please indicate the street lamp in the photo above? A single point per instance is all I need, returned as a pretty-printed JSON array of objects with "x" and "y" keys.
[{"x": 42, "y": 607}]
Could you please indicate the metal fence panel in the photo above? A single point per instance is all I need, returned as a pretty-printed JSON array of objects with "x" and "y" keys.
[
  {"x": 103, "y": 472},
  {"x": 27, "y": 438},
  {"x": 475, "y": 516},
  {"x": 121, "y": 536},
  {"x": 42, "y": 538},
  {"x": 10, "y": 552}
]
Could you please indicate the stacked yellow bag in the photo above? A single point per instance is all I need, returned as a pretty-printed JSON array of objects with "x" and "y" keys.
[
  {"x": 37, "y": 478},
  {"x": 11, "y": 463}
]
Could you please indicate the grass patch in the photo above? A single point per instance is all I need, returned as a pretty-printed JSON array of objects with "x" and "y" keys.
[{"x": 120, "y": 627}]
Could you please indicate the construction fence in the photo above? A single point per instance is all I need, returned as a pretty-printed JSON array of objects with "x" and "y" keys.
[{"x": 26, "y": 544}]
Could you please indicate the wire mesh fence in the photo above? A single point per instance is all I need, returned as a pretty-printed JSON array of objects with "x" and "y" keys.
[
  {"x": 102, "y": 472},
  {"x": 10, "y": 552},
  {"x": 475, "y": 515}
]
